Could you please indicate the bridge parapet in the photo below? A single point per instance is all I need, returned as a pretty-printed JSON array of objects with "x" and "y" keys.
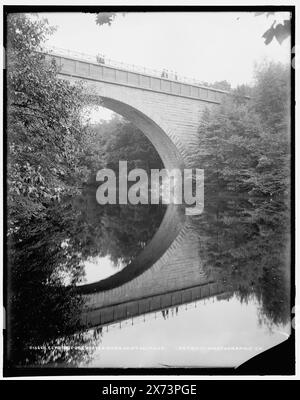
[
  {"x": 86, "y": 66},
  {"x": 96, "y": 317}
]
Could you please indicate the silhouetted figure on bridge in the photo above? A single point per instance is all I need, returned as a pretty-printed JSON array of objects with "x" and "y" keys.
[
  {"x": 100, "y": 59},
  {"x": 164, "y": 73}
]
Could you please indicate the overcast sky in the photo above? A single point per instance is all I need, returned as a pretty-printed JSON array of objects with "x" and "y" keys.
[{"x": 207, "y": 46}]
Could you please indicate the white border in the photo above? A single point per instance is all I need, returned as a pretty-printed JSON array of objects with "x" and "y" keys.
[{"x": 297, "y": 191}]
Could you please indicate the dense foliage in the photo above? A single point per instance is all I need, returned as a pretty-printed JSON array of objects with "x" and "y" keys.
[
  {"x": 278, "y": 30},
  {"x": 44, "y": 128},
  {"x": 116, "y": 140},
  {"x": 44, "y": 122},
  {"x": 245, "y": 145},
  {"x": 245, "y": 151}
]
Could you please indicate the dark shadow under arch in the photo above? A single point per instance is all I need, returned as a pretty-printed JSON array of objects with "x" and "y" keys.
[{"x": 166, "y": 149}]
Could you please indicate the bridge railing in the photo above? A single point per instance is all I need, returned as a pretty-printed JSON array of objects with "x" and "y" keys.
[
  {"x": 165, "y": 73},
  {"x": 98, "y": 315},
  {"x": 170, "y": 312}
]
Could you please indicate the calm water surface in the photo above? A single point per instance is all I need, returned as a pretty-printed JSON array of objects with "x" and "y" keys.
[{"x": 240, "y": 245}]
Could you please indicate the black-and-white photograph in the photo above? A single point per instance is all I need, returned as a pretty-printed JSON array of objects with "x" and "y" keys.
[{"x": 148, "y": 188}]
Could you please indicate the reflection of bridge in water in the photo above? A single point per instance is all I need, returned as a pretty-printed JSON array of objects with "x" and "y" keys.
[
  {"x": 106, "y": 315},
  {"x": 175, "y": 278}
]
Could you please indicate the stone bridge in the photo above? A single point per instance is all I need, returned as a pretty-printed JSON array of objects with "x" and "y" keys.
[{"x": 168, "y": 110}]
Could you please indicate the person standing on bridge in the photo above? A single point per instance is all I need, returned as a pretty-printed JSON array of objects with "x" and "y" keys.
[
  {"x": 164, "y": 73},
  {"x": 100, "y": 59}
]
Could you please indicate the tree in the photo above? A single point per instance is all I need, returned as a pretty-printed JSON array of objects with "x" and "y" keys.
[
  {"x": 245, "y": 145},
  {"x": 280, "y": 31},
  {"x": 226, "y": 146},
  {"x": 44, "y": 140},
  {"x": 111, "y": 141},
  {"x": 222, "y": 85},
  {"x": 271, "y": 96},
  {"x": 242, "y": 93},
  {"x": 44, "y": 123},
  {"x": 106, "y": 18}
]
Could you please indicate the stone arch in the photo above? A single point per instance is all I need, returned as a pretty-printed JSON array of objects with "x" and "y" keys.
[
  {"x": 150, "y": 115},
  {"x": 168, "y": 151}
]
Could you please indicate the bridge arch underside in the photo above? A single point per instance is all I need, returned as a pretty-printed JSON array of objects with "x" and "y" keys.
[
  {"x": 166, "y": 149},
  {"x": 174, "y": 218}
]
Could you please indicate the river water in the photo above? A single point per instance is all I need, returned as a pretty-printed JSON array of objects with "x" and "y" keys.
[{"x": 213, "y": 293}]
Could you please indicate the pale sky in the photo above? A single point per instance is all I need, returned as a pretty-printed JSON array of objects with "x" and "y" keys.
[
  {"x": 208, "y": 46},
  {"x": 203, "y": 45},
  {"x": 97, "y": 268}
]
